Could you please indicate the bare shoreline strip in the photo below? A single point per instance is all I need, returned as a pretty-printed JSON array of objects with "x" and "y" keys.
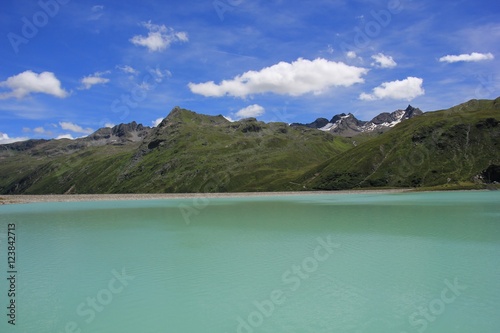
[{"x": 16, "y": 199}]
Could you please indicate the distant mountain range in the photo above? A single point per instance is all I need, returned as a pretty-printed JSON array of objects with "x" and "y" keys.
[
  {"x": 190, "y": 152},
  {"x": 348, "y": 125}
]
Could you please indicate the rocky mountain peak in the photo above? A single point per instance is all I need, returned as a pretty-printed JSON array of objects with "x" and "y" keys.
[
  {"x": 118, "y": 134},
  {"x": 348, "y": 125},
  {"x": 411, "y": 112}
]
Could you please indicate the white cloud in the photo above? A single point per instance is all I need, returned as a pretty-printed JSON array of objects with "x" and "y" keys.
[
  {"x": 351, "y": 55},
  {"x": 65, "y": 136},
  {"x": 254, "y": 110},
  {"x": 128, "y": 69},
  {"x": 157, "y": 122},
  {"x": 297, "y": 78},
  {"x": 383, "y": 61},
  {"x": 38, "y": 130},
  {"x": 65, "y": 125},
  {"x": 406, "y": 89},
  {"x": 474, "y": 56},
  {"x": 25, "y": 83},
  {"x": 159, "y": 37},
  {"x": 41, "y": 130},
  {"x": 229, "y": 118},
  {"x": 93, "y": 79},
  {"x": 4, "y": 139},
  {"x": 109, "y": 125}
]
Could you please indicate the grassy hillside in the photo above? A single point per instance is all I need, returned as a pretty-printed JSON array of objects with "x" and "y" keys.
[
  {"x": 190, "y": 152},
  {"x": 187, "y": 152},
  {"x": 443, "y": 148}
]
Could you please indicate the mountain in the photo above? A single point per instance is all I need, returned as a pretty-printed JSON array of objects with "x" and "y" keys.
[
  {"x": 120, "y": 134},
  {"x": 348, "y": 125},
  {"x": 455, "y": 147},
  {"x": 345, "y": 125},
  {"x": 318, "y": 123},
  {"x": 190, "y": 152},
  {"x": 186, "y": 152}
]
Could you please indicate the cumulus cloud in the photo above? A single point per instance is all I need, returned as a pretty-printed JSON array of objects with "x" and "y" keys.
[
  {"x": 4, "y": 139},
  {"x": 406, "y": 89},
  {"x": 297, "y": 78},
  {"x": 109, "y": 125},
  {"x": 159, "y": 37},
  {"x": 351, "y": 55},
  {"x": 157, "y": 122},
  {"x": 65, "y": 125},
  {"x": 383, "y": 61},
  {"x": 28, "y": 82},
  {"x": 254, "y": 110},
  {"x": 65, "y": 136},
  {"x": 93, "y": 79},
  {"x": 473, "y": 57},
  {"x": 41, "y": 130}
]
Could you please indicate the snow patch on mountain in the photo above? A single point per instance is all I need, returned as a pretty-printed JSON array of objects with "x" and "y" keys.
[{"x": 348, "y": 125}]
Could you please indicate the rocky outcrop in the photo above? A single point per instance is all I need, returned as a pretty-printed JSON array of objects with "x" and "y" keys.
[
  {"x": 318, "y": 123},
  {"x": 119, "y": 134},
  {"x": 491, "y": 174},
  {"x": 348, "y": 125}
]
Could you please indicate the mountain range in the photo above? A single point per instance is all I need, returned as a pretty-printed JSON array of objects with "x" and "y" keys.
[
  {"x": 191, "y": 152},
  {"x": 348, "y": 125}
]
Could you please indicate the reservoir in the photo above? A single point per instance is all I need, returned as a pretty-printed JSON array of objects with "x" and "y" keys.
[{"x": 363, "y": 262}]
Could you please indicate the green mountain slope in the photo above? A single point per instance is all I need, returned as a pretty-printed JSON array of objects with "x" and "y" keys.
[
  {"x": 448, "y": 147},
  {"x": 187, "y": 152},
  {"x": 190, "y": 152}
]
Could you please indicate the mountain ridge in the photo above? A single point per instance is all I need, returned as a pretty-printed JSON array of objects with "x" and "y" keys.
[
  {"x": 186, "y": 152},
  {"x": 348, "y": 125},
  {"x": 445, "y": 148},
  {"x": 191, "y": 152}
]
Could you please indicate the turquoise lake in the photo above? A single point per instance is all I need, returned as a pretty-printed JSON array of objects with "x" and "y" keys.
[{"x": 391, "y": 263}]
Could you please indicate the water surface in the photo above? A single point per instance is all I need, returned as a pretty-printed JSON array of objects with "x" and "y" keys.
[{"x": 407, "y": 262}]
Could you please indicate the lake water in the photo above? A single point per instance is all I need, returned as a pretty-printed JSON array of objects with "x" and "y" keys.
[{"x": 407, "y": 262}]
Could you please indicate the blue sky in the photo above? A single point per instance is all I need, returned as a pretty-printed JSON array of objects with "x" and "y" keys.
[{"x": 69, "y": 67}]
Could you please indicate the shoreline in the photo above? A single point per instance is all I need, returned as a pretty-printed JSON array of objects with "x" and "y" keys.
[{"x": 29, "y": 198}]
